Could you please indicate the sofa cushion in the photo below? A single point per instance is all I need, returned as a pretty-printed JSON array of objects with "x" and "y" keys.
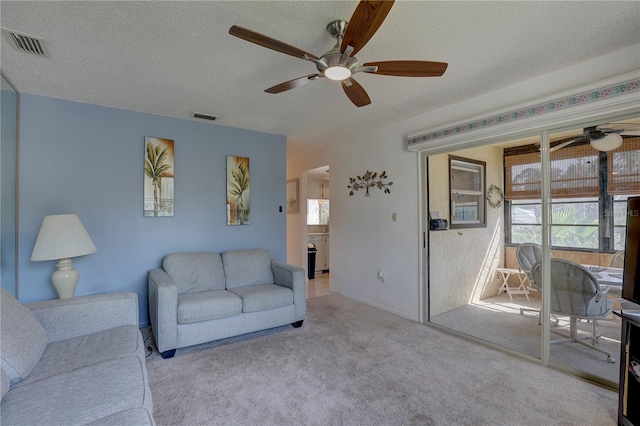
[
  {"x": 207, "y": 305},
  {"x": 136, "y": 416},
  {"x": 4, "y": 384},
  {"x": 23, "y": 338},
  {"x": 195, "y": 271},
  {"x": 81, "y": 396},
  {"x": 247, "y": 267},
  {"x": 263, "y": 296},
  {"x": 83, "y": 351}
]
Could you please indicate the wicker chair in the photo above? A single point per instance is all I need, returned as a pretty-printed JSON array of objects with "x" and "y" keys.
[
  {"x": 617, "y": 260},
  {"x": 528, "y": 254},
  {"x": 575, "y": 293}
]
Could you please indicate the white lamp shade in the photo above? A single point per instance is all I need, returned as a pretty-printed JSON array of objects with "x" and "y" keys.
[
  {"x": 608, "y": 143},
  {"x": 60, "y": 237}
]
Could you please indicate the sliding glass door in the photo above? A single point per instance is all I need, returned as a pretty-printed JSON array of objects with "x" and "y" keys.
[
  {"x": 590, "y": 186},
  {"x": 475, "y": 284},
  {"x": 534, "y": 266}
]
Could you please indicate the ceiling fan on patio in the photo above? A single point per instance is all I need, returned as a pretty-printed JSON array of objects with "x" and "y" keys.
[
  {"x": 603, "y": 138},
  {"x": 339, "y": 63}
]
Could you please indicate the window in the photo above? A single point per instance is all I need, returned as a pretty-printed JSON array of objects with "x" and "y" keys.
[
  {"x": 584, "y": 184},
  {"x": 467, "y": 193},
  {"x": 574, "y": 222},
  {"x": 317, "y": 212},
  {"x": 619, "y": 221}
]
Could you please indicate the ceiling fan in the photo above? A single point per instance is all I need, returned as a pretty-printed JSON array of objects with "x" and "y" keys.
[
  {"x": 603, "y": 138},
  {"x": 339, "y": 63}
]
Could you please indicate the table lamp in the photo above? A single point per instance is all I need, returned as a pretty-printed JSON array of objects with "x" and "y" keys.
[{"x": 63, "y": 237}]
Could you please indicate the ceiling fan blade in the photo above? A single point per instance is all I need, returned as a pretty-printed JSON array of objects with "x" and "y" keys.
[
  {"x": 559, "y": 144},
  {"x": 625, "y": 129},
  {"x": 408, "y": 68},
  {"x": 269, "y": 43},
  {"x": 631, "y": 132},
  {"x": 364, "y": 23},
  {"x": 562, "y": 145},
  {"x": 291, "y": 84},
  {"x": 355, "y": 92}
]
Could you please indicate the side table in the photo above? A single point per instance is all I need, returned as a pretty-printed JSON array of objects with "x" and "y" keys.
[{"x": 505, "y": 273}]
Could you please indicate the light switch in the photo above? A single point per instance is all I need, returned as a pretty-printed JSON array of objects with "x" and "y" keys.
[{"x": 394, "y": 217}]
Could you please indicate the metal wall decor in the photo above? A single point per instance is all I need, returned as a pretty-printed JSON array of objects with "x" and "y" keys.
[
  {"x": 495, "y": 196},
  {"x": 368, "y": 180}
]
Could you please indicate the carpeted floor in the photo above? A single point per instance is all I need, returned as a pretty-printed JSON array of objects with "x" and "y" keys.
[
  {"x": 498, "y": 320},
  {"x": 351, "y": 364}
]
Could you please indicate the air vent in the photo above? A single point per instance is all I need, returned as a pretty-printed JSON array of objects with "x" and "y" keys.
[
  {"x": 204, "y": 116},
  {"x": 25, "y": 43}
]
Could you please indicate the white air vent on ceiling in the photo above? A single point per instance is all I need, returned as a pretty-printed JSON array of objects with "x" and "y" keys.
[{"x": 25, "y": 43}]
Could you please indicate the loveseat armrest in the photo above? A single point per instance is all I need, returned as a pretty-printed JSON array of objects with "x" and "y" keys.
[
  {"x": 79, "y": 316},
  {"x": 292, "y": 276},
  {"x": 163, "y": 309}
]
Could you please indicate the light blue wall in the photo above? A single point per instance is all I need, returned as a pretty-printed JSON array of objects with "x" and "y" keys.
[{"x": 88, "y": 160}]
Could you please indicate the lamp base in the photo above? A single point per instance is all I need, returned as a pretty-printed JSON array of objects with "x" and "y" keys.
[{"x": 65, "y": 279}]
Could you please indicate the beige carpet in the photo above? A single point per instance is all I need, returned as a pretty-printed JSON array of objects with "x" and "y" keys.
[
  {"x": 498, "y": 320},
  {"x": 351, "y": 364}
]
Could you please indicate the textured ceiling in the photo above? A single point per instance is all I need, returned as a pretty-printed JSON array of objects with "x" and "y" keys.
[{"x": 176, "y": 58}]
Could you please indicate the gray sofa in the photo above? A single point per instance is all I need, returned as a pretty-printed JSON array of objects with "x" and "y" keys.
[
  {"x": 78, "y": 361},
  {"x": 200, "y": 297}
]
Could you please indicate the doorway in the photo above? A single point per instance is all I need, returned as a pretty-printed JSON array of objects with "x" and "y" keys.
[{"x": 317, "y": 230}]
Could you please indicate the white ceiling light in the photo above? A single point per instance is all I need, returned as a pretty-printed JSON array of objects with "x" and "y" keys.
[
  {"x": 338, "y": 72},
  {"x": 607, "y": 143}
]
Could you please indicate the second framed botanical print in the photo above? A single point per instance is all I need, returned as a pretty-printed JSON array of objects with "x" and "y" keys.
[{"x": 238, "y": 191}]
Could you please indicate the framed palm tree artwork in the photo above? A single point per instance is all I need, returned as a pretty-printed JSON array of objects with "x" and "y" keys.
[
  {"x": 238, "y": 200},
  {"x": 158, "y": 177}
]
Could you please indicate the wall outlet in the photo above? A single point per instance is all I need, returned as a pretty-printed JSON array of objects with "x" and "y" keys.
[
  {"x": 382, "y": 277},
  {"x": 394, "y": 217}
]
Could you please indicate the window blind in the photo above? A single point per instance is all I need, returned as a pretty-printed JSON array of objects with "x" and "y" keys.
[
  {"x": 574, "y": 173},
  {"x": 623, "y": 165}
]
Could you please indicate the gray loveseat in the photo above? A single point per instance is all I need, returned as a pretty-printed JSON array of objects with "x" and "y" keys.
[
  {"x": 199, "y": 297},
  {"x": 78, "y": 361}
]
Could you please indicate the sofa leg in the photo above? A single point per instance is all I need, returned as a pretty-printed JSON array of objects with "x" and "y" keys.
[
  {"x": 297, "y": 324},
  {"x": 168, "y": 354}
]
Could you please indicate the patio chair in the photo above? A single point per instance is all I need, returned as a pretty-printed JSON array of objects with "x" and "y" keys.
[
  {"x": 575, "y": 293},
  {"x": 617, "y": 260},
  {"x": 528, "y": 254}
]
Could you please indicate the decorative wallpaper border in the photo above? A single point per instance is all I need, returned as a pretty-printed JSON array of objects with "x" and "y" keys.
[{"x": 567, "y": 102}]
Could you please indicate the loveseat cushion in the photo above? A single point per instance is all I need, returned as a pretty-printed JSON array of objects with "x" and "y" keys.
[
  {"x": 4, "y": 383},
  {"x": 263, "y": 296},
  {"x": 81, "y": 396},
  {"x": 136, "y": 416},
  {"x": 247, "y": 267},
  {"x": 195, "y": 271},
  {"x": 207, "y": 305},
  {"x": 83, "y": 351},
  {"x": 23, "y": 338}
]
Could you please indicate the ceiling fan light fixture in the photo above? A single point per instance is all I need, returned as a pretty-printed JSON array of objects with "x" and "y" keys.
[
  {"x": 337, "y": 72},
  {"x": 607, "y": 143}
]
